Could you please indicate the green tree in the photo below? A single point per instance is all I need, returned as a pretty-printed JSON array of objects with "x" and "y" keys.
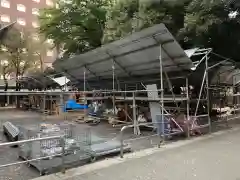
[
  {"x": 18, "y": 56},
  {"x": 207, "y": 24},
  {"x": 129, "y": 16},
  {"x": 19, "y": 53},
  {"x": 76, "y": 25},
  {"x": 194, "y": 23}
]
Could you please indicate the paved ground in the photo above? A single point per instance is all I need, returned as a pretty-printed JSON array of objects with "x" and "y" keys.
[
  {"x": 211, "y": 158},
  {"x": 23, "y": 172}
]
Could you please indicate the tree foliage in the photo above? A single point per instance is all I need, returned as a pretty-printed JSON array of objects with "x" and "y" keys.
[
  {"x": 76, "y": 25},
  {"x": 80, "y": 25},
  {"x": 207, "y": 24},
  {"x": 129, "y": 16},
  {"x": 19, "y": 52}
]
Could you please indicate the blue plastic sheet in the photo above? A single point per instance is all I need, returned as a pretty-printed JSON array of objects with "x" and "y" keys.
[{"x": 72, "y": 104}]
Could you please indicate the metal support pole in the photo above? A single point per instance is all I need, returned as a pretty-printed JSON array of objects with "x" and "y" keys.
[
  {"x": 84, "y": 93},
  {"x": 8, "y": 101},
  {"x": 51, "y": 105},
  {"x": 162, "y": 94},
  {"x": 114, "y": 104},
  {"x": 113, "y": 86},
  {"x": 44, "y": 106},
  {"x": 207, "y": 89},
  {"x": 170, "y": 87},
  {"x": 65, "y": 85},
  {"x": 62, "y": 141},
  {"x": 200, "y": 93},
  {"x": 62, "y": 108},
  {"x": 113, "y": 75},
  {"x": 135, "y": 129},
  {"x": 188, "y": 117},
  {"x": 121, "y": 140}
]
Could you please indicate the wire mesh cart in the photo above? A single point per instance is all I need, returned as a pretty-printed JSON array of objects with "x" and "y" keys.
[{"x": 69, "y": 150}]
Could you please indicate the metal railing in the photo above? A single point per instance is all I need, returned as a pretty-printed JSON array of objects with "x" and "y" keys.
[
  {"x": 162, "y": 134},
  {"x": 61, "y": 138}
]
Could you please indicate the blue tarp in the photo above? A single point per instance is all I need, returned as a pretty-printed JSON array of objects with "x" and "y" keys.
[{"x": 72, "y": 104}]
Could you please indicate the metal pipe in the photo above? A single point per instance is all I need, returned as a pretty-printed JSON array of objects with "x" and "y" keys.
[
  {"x": 170, "y": 87},
  {"x": 200, "y": 93},
  {"x": 113, "y": 75},
  {"x": 162, "y": 93},
  {"x": 84, "y": 93},
  {"x": 203, "y": 115},
  {"x": 215, "y": 65},
  {"x": 134, "y": 116},
  {"x": 28, "y": 140},
  {"x": 121, "y": 139},
  {"x": 203, "y": 58},
  {"x": 130, "y": 126},
  {"x": 44, "y": 107},
  {"x": 68, "y": 92},
  {"x": 27, "y": 161},
  {"x": 188, "y": 118},
  {"x": 63, "y": 154},
  {"x": 208, "y": 104}
]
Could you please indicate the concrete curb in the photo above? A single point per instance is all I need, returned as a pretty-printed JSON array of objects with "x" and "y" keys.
[{"x": 117, "y": 160}]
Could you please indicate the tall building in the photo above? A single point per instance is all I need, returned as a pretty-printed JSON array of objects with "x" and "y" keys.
[{"x": 25, "y": 14}]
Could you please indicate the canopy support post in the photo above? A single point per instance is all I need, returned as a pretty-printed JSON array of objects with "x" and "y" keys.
[
  {"x": 207, "y": 89},
  {"x": 188, "y": 107},
  {"x": 84, "y": 93},
  {"x": 162, "y": 123},
  {"x": 170, "y": 87},
  {"x": 113, "y": 86},
  {"x": 200, "y": 93}
]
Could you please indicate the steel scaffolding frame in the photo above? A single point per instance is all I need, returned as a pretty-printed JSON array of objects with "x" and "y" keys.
[{"x": 112, "y": 93}]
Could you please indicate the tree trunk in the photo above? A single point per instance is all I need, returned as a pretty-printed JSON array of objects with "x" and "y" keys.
[
  {"x": 5, "y": 89},
  {"x": 17, "y": 89},
  {"x": 6, "y": 86}
]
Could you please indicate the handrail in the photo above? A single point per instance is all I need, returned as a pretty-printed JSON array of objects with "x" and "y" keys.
[
  {"x": 39, "y": 158},
  {"x": 29, "y": 140},
  {"x": 121, "y": 138},
  {"x": 122, "y": 131}
]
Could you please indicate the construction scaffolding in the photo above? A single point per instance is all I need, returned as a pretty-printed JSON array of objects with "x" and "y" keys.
[
  {"x": 138, "y": 70},
  {"x": 145, "y": 80}
]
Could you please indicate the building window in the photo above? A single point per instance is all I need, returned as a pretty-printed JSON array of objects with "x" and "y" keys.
[
  {"x": 22, "y": 34},
  {"x": 35, "y": 24},
  {"x": 49, "y": 53},
  {"x": 5, "y": 18},
  {"x": 49, "y": 15},
  {"x": 3, "y": 48},
  {"x": 35, "y": 11},
  {"x": 35, "y": 37},
  {"x": 4, "y": 62},
  {"x": 21, "y": 21},
  {"x": 21, "y": 7},
  {"x": 5, "y": 3},
  {"x": 49, "y": 2},
  {"x": 48, "y": 65},
  {"x": 50, "y": 41},
  {"x": 38, "y": 1},
  {"x": 24, "y": 50}
]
